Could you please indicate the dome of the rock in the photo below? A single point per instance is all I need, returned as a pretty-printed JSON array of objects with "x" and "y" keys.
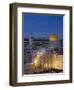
[{"x": 53, "y": 37}]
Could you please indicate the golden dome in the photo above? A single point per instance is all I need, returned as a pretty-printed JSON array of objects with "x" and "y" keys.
[{"x": 53, "y": 37}]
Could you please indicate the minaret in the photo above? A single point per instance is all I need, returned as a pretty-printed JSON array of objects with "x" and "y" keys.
[{"x": 31, "y": 44}]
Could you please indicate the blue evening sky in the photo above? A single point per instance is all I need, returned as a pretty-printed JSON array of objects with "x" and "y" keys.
[{"x": 42, "y": 25}]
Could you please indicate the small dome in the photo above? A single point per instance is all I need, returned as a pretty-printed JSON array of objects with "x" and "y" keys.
[{"x": 53, "y": 37}]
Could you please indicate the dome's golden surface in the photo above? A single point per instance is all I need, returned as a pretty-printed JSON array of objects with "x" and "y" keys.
[{"x": 53, "y": 37}]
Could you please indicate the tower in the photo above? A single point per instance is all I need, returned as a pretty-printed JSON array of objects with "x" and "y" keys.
[{"x": 31, "y": 45}]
